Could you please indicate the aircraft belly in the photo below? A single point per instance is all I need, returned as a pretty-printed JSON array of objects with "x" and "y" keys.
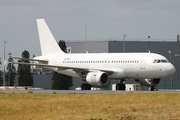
[
  {"x": 131, "y": 73},
  {"x": 136, "y": 73},
  {"x": 69, "y": 73},
  {"x": 118, "y": 73}
]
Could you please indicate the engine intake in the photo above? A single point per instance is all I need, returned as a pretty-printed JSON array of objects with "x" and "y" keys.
[{"x": 97, "y": 78}]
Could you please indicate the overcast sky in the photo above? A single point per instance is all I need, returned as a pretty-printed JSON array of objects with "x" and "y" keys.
[{"x": 104, "y": 19}]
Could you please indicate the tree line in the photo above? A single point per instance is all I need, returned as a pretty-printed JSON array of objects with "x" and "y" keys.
[{"x": 25, "y": 78}]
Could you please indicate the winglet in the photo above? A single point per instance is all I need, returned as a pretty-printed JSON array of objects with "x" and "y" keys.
[{"x": 47, "y": 42}]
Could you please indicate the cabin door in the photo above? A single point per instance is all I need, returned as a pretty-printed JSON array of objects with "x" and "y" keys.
[{"x": 143, "y": 62}]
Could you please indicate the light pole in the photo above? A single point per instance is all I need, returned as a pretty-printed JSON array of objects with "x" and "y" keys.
[
  {"x": 85, "y": 33},
  {"x": 124, "y": 42},
  {"x": 177, "y": 56},
  {"x": 9, "y": 67},
  {"x": 4, "y": 61},
  {"x": 149, "y": 39},
  {"x": 170, "y": 62}
]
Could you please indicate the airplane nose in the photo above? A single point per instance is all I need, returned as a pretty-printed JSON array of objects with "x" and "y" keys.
[{"x": 170, "y": 69}]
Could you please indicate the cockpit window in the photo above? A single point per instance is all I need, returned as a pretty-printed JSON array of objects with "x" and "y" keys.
[
  {"x": 154, "y": 61},
  {"x": 160, "y": 61},
  {"x": 164, "y": 61}
]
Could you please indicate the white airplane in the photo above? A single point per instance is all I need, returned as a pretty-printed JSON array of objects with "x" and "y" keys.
[{"x": 96, "y": 69}]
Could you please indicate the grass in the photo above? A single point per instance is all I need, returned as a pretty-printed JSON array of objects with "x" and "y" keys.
[{"x": 128, "y": 106}]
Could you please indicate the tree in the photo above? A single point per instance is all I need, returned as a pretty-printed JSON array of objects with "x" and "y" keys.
[
  {"x": 25, "y": 76},
  {"x": 1, "y": 77},
  {"x": 1, "y": 74},
  {"x": 62, "y": 45},
  {"x": 60, "y": 81}
]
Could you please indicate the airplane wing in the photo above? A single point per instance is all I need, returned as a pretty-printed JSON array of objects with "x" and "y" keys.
[{"x": 44, "y": 64}]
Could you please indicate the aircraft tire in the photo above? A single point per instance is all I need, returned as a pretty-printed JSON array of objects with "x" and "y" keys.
[
  {"x": 120, "y": 86},
  {"x": 152, "y": 88},
  {"x": 117, "y": 86},
  {"x": 123, "y": 87},
  {"x": 88, "y": 87},
  {"x": 85, "y": 86}
]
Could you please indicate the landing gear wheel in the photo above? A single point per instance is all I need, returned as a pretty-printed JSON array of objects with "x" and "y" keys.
[
  {"x": 85, "y": 86},
  {"x": 152, "y": 88},
  {"x": 89, "y": 86},
  {"x": 120, "y": 87},
  {"x": 117, "y": 86},
  {"x": 123, "y": 87}
]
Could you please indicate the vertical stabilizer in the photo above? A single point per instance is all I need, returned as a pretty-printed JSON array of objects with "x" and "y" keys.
[{"x": 47, "y": 42}]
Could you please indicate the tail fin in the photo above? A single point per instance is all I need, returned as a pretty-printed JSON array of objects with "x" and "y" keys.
[{"x": 47, "y": 42}]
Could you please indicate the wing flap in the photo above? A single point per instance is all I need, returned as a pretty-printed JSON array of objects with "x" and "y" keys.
[
  {"x": 40, "y": 65},
  {"x": 29, "y": 59},
  {"x": 34, "y": 60}
]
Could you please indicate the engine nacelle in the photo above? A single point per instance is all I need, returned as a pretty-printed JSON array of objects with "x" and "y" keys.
[
  {"x": 148, "y": 82},
  {"x": 97, "y": 78}
]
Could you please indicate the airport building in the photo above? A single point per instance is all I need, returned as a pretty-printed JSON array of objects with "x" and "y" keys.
[{"x": 168, "y": 48}]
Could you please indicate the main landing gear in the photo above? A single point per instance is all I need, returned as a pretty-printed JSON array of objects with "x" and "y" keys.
[
  {"x": 152, "y": 88},
  {"x": 121, "y": 86},
  {"x": 86, "y": 86}
]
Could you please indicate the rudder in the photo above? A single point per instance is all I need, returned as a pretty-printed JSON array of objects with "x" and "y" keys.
[{"x": 47, "y": 41}]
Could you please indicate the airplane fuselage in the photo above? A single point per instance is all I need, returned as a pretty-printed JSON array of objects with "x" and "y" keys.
[{"x": 123, "y": 65}]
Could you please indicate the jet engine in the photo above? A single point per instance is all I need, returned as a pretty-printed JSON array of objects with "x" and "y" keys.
[
  {"x": 148, "y": 82},
  {"x": 97, "y": 78}
]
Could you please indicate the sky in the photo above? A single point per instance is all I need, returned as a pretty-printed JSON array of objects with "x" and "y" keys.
[{"x": 101, "y": 19}]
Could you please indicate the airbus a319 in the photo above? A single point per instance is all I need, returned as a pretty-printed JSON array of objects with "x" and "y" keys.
[{"x": 97, "y": 69}]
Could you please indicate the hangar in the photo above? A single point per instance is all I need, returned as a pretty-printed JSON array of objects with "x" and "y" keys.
[{"x": 168, "y": 48}]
